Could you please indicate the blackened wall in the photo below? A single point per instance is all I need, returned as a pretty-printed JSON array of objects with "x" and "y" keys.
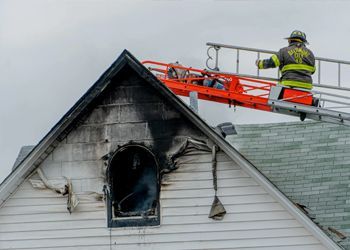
[{"x": 129, "y": 110}]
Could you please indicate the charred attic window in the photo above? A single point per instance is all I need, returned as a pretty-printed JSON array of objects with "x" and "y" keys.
[{"x": 134, "y": 186}]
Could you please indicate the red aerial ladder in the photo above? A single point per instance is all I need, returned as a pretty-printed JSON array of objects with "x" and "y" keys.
[
  {"x": 249, "y": 91},
  {"x": 237, "y": 90}
]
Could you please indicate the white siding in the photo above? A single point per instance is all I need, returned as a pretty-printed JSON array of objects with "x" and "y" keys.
[{"x": 38, "y": 219}]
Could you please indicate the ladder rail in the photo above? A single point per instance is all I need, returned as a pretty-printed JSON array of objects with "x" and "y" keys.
[
  {"x": 326, "y": 99},
  {"x": 319, "y": 60},
  {"x": 330, "y": 94},
  {"x": 309, "y": 109},
  {"x": 266, "y": 78},
  {"x": 335, "y": 102}
]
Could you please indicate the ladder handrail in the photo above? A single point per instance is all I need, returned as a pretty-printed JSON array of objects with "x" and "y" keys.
[
  {"x": 218, "y": 46},
  {"x": 276, "y": 79},
  {"x": 270, "y": 52}
]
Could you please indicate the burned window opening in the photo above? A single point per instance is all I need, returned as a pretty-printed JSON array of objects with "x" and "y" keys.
[{"x": 134, "y": 187}]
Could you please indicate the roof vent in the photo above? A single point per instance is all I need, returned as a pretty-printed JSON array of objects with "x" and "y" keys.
[{"x": 225, "y": 129}]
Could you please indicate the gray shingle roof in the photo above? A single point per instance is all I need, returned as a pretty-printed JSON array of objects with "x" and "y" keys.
[
  {"x": 23, "y": 152},
  {"x": 309, "y": 162}
]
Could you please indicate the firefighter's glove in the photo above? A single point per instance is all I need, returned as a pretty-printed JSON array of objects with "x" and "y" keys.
[{"x": 259, "y": 64}]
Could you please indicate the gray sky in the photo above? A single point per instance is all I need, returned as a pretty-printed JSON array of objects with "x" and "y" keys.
[{"x": 53, "y": 51}]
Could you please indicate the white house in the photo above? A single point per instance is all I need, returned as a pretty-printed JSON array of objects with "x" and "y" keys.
[{"x": 130, "y": 166}]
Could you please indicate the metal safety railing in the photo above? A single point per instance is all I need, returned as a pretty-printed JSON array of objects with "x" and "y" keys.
[{"x": 216, "y": 47}]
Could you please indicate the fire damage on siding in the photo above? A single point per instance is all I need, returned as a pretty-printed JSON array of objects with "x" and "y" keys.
[
  {"x": 137, "y": 135},
  {"x": 144, "y": 142},
  {"x": 134, "y": 132}
]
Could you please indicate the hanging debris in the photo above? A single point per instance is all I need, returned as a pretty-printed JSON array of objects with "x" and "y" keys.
[
  {"x": 72, "y": 201},
  {"x": 193, "y": 147},
  {"x": 189, "y": 147},
  {"x": 217, "y": 211},
  {"x": 64, "y": 187}
]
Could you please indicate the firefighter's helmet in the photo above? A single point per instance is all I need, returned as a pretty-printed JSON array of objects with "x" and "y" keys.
[{"x": 297, "y": 34}]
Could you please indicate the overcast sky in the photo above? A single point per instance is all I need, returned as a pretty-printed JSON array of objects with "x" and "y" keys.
[{"x": 51, "y": 52}]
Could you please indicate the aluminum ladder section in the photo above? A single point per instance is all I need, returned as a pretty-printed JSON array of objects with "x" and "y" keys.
[
  {"x": 323, "y": 113},
  {"x": 213, "y": 55},
  {"x": 334, "y": 104}
]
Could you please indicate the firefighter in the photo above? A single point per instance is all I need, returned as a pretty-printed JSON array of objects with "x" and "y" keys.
[
  {"x": 210, "y": 81},
  {"x": 296, "y": 62},
  {"x": 176, "y": 72}
]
